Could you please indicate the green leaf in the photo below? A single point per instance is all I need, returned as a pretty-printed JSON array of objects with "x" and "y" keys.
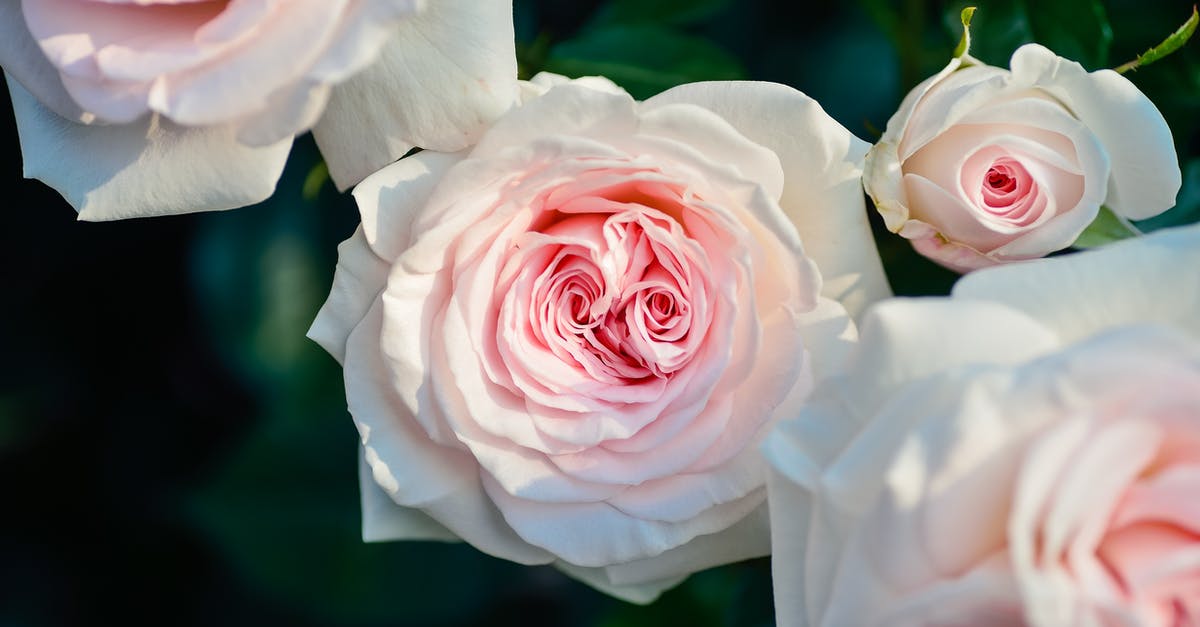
[
  {"x": 1172, "y": 43},
  {"x": 659, "y": 11},
  {"x": 964, "y": 44},
  {"x": 317, "y": 177},
  {"x": 1075, "y": 29},
  {"x": 1107, "y": 228},
  {"x": 644, "y": 58}
]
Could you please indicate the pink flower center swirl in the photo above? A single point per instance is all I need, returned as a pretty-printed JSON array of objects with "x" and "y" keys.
[
  {"x": 611, "y": 282},
  {"x": 1008, "y": 190}
]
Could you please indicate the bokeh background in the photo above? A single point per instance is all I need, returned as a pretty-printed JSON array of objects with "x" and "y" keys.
[{"x": 174, "y": 451}]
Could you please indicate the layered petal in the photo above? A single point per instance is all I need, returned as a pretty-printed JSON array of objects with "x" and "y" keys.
[
  {"x": 149, "y": 168},
  {"x": 587, "y": 324},
  {"x": 443, "y": 76}
]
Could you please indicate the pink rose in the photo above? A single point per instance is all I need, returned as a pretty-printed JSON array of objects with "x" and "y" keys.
[
  {"x": 982, "y": 166},
  {"x": 147, "y": 107},
  {"x": 564, "y": 345},
  {"x": 1026, "y": 452}
]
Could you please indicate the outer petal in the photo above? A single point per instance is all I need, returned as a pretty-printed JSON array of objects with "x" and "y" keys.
[
  {"x": 597, "y": 534},
  {"x": 383, "y": 520},
  {"x": 598, "y": 578},
  {"x": 147, "y": 168},
  {"x": 1145, "y": 168},
  {"x": 881, "y": 169},
  {"x": 441, "y": 79},
  {"x": 822, "y": 164},
  {"x": 411, "y": 469},
  {"x": 21, "y": 57},
  {"x": 360, "y": 277},
  {"x": 905, "y": 339},
  {"x": 1124, "y": 283},
  {"x": 391, "y": 199},
  {"x": 642, "y": 581}
]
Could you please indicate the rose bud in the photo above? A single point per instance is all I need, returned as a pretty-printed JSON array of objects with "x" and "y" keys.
[{"x": 983, "y": 166}]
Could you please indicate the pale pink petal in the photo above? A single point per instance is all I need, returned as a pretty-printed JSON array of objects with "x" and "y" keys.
[
  {"x": 1145, "y": 169},
  {"x": 150, "y": 168},
  {"x": 439, "y": 81},
  {"x": 383, "y": 520},
  {"x": 25, "y": 62},
  {"x": 598, "y": 577},
  {"x": 357, "y": 282},
  {"x": 596, "y": 534},
  {"x": 1126, "y": 282},
  {"x": 822, "y": 165},
  {"x": 390, "y": 200}
]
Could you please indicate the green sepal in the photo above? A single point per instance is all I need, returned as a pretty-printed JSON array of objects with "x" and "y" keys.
[{"x": 1172, "y": 43}]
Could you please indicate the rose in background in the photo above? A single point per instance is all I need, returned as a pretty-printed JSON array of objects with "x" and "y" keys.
[
  {"x": 982, "y": 166},
  {"x": 146, "y": 108},
  {"x": 564, "y": 345},
  {"x": 1024, "y": 452}
]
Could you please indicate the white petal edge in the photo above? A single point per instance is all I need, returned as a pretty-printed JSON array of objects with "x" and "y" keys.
[
  {"x": 1145, "y": 169},
  {"x": 642, "y": 594},
  {"x": 904, "y": 339},
  {"x": 822, "y": 164},
  {"x": 151, "y": 167},
  {"x": 23, "y": 59},
  {"x": 383, "y": 520},
  {"x": 357, "y": 282},
  {"x": 642, "y": 581},
  {"x": 438, "y": 83},
  {"x": 1146, "y": 279},
  {"x": 391, "y": 199}
]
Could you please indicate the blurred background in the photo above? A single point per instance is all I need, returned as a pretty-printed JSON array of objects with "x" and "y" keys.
[{"x": 174, "y": 451}]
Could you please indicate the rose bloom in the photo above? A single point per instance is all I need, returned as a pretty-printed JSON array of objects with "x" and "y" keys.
[
  {"x": 564, "y": 345},
  {"x": 146, "y": 107},
  {"x": 982, "y": 166},
  {"x": 1026, "y": 452}
]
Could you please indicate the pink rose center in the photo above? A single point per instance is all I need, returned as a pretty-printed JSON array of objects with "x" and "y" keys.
[
  {"x": 1006, "y": 188},
  {"x": 612, "y": 281},
  {"x": 1000, "y": 180}
]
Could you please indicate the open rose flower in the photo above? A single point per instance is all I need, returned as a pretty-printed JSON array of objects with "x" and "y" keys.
[
  {"x": 1026, "y": 452},
  {"x": 982, "y": 165},
  {"x": 565, "y": 345},
  {"x": 147, "y": 107}
]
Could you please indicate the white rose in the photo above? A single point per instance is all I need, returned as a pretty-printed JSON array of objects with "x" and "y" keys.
[
  {"x": 565, "y": 344},
  {"x": 159, "y": 106},
  {"x": 1026, "y": 452},
  {"x": 982, "y": 165}
]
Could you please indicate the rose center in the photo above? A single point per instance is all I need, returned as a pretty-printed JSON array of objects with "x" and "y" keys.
[{"x": 1000, "y": 180}]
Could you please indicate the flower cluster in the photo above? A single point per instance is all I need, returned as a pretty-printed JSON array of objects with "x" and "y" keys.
[{"x": 636, "y": 339}]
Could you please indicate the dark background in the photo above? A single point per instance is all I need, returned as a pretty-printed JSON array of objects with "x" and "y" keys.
[{"x": 174, "y": 451}]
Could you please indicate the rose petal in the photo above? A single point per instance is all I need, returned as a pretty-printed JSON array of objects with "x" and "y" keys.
[
  {"x": 149, "y": 168},
  {"x": 383, "y": 520},
  {"x": 357, "y": 282},
  {"x": 1145, "y": 169},
  {"x": 599, "y": 578},
  {"x": 25, "y": 62},
  {"x": 822, "y": 164},
  {"x": 596, "y": 534},
  {"x": 1115, "y": 282},
  {"x": 440, "y": 80}
]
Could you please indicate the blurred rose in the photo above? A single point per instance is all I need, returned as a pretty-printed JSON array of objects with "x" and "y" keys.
[
  {"x": 566, "y": 344},
  {"x": 133, "y": 108},
  {"x": 1026, "y": 452},
  {"x": 982, "y": 166}
]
